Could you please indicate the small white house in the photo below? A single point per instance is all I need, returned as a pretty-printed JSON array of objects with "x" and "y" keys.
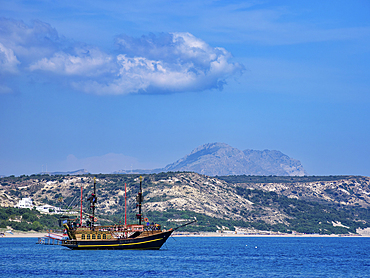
[
  {"x": 25, "y": 203},
  {"x": 48, "y": 208}
]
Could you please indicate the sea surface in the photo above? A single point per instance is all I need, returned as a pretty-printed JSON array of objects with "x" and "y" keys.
[{"x": 194, "y": 257}]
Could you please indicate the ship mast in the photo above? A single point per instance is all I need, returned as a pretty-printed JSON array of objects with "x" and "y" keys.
[
  {"x": 139, "y": 199},
  {"x": 92, "y": 205},
  {"x": 81, "y": 209},
  {"x": 125, "y": 206}
]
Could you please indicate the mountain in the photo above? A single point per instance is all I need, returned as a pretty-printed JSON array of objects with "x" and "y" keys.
[
  {"x": 71, "y": 173},
  {"x": 220, "y": 159}
]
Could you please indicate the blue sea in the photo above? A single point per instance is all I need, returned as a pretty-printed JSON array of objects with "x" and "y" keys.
[{"x": 194, "y": 257}]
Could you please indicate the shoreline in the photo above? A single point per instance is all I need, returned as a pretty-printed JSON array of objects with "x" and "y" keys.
[
  {"x": 23, "y": 235},
  {"x": 214, "y": 234},
  {"x": 200, "y": 234}
]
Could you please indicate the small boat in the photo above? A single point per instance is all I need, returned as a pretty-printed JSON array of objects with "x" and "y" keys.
[{"x": 132, "y": 236}]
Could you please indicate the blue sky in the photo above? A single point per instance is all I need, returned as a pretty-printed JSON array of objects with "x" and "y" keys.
[{"x": 111, "y": 85}]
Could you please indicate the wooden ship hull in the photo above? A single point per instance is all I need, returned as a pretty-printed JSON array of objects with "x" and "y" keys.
[{"x": 144, "y": 241}]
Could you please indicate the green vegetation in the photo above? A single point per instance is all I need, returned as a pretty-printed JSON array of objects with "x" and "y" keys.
[
  {"x": 307, "y": 217},
  {"x": 26, "y": 220}
]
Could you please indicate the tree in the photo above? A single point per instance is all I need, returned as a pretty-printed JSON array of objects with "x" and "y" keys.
[
  {"x": 3, "y": 215},
  {"x": 36, "y": 226}
]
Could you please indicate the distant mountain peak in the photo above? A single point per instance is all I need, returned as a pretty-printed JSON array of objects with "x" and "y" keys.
[
  {"x": 221, "y": 159},
  {"x": 71, "y": 173}
]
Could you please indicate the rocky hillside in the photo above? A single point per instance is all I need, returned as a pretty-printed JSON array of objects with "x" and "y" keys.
[
  {"x": 180, "y": 191},
  {"x": 339, "y": 190},
  {"x": 219, "y": 159},
  {"x": 305, "y": 204}
]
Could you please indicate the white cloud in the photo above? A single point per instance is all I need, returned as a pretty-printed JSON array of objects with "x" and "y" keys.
[
  {"x": 87, "y": 61},
  {"x": 166, "y": 63},
  {"x": 163, "y": 63},
  {"x": 29, "y": 43},
  {"x": 8, "y": 61}
]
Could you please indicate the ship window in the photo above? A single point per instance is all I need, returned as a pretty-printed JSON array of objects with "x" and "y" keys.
[
  {"x": 93, "y": 236},
  {"x": 99, "y": 236},
  {"x": 104, "y": 236},
  {"x": 88, "y": 236},
  {"x": 83, "y": 236}
]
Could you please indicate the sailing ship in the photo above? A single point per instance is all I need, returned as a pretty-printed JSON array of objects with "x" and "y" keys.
[{"x": 143, "y": 235}]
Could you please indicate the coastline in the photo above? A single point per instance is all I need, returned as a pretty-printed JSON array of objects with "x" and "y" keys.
[
  {"x": 200, "y": 234},
  {"x": 214, "y": 234},
  {"x": 24, "y": 234}
]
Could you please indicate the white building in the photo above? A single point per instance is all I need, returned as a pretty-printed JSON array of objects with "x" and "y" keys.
[
  {"x": 25, "y": 203},
  {"x": 48, "y": 209}
]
